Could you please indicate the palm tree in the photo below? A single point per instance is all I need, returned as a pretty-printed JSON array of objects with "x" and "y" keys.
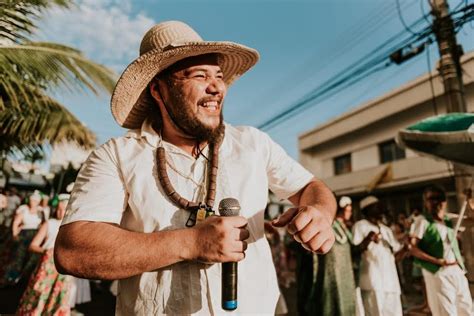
[{"x": 29, "y": 71}]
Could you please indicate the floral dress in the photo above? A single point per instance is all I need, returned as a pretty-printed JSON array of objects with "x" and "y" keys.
[{"x": 48, "y": 291}]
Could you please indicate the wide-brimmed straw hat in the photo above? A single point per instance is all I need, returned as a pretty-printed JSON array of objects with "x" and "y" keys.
[{"x": 163, "y": 45}]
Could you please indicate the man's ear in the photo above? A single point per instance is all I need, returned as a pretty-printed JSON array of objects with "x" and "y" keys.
[{"x": 155, "y": 91}]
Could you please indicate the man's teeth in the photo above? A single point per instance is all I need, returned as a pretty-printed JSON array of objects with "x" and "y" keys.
[{"x": 211, "y": 105}]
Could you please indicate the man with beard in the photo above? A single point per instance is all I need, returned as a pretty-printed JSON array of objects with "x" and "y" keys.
[{"x": 141, "y": 209}]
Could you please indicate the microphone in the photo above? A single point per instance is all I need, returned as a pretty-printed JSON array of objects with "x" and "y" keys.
[{"x": 229, "y": 207}]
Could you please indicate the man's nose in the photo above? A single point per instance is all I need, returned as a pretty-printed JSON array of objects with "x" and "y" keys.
[{"x": 216, "y": 86}]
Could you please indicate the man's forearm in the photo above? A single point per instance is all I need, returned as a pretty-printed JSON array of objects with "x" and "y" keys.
[
  {"x": 104, "y": 251},
  {"x": 317, "y": 194},
  {"x": 418, "y": 253}
]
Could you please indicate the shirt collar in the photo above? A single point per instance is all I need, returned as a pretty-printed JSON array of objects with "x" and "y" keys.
[{"x": 148, "y": 133}]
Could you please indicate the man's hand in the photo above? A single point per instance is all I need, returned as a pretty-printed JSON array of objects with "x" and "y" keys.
[
  {"x": 375, "y": 237},
  {"x": 220, "y": 239},
  {"x": 308, "y": 226},
  {"x": 445, "y": 263},
  {"x": 371, "y": 237}
]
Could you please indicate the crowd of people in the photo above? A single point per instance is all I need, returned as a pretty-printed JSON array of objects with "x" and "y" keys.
[
  {"x": 28, "y": 230},
  {"x": 371, "y": 259},
  {"x": 361, "y": 275}
]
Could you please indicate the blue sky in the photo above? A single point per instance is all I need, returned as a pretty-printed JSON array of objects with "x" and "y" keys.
[{"x": 301, "y": 43}]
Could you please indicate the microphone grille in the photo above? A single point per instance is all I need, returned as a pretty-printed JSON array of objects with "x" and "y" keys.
[{"x": 229, "y": 207}]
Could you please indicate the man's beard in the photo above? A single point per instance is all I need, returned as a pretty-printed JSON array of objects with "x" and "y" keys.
[{"x": 189, "y": 123}]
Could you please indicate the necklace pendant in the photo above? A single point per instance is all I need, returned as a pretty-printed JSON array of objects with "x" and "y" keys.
[
  {"x": 203, "y": 212},
  {"x": 199, "y": 214},
  {"x": 191, "y": 219}
]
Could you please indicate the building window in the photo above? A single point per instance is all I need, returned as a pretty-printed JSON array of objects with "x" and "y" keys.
[
  {"x": 342, "y": 164},
  {"x": 389, "y": 151}
]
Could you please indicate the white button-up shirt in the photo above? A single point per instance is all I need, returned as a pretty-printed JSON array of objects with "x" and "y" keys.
[
  {"x": 378, "y": 271},
  {"x": 119, "y": 184}
]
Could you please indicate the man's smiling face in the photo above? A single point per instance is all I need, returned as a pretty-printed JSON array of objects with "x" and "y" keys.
[{"x": 193, "y": 94}]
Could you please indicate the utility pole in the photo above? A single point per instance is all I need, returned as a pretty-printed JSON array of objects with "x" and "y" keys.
[
  {"x": 451, "y": 72},
  {"x": 450, "y": 52}
]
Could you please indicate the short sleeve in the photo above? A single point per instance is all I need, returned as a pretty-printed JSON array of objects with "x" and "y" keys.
[
  {"x": 285, "y": 175},
  {"x": 418, "y": 228},
  {"x": 394, "y": 243},
  {"x": 358, "y": 233},
  {"x": 99, "y": 192},
  {"x": 21, "y": 209}
]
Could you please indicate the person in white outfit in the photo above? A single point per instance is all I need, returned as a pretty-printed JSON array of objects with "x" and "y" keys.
[
  {"x": 436, "y": 251},
  {"x": 378, "y": 278}
]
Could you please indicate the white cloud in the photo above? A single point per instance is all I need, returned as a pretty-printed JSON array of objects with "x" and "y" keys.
[{"x": 107, "y": 31}]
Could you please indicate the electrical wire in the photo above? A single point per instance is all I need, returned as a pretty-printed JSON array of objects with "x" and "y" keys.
[
  {"x": 403, "y": 20},
  {"x": 356, "y": 72},
  {"x": 359, "y": 31},
  {"x": 352, "y": 72},
  {"x": 328, "y": 92},
  {"x": 422, "y": 8},
  {"x": 377, "y": 81}
]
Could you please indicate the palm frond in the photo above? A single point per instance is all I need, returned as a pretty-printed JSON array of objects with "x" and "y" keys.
[
  {"x": 48, "y": 121},
  {"x": 50, "y": 65},
  {"x": 17, "y": 17}
]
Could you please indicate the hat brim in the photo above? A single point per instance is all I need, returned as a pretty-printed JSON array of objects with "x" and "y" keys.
[{"x": 130, "y": 101}]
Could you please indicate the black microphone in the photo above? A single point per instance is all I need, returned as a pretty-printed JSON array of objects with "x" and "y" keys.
[{"x": 229, "y": 207}]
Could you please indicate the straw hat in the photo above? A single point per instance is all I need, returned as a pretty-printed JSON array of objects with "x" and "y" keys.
[
  {"x": 367, "y": 201},
  {"x": 163, "y": 45}
]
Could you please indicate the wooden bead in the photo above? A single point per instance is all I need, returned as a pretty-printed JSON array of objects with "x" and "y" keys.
[{"x": 174, "y": 196}]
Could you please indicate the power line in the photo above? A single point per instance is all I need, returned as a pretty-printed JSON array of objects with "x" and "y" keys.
[
  {"x": 422, "y": 8},
  {"x": 360, "y": 69},
  {"x": 359, "y": 31},
  {"x": 347, "y": 75},
  {"x": 409, "y": 30}
]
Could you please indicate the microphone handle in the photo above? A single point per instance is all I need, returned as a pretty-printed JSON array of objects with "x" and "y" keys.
[{"x": 229, "y": 286}]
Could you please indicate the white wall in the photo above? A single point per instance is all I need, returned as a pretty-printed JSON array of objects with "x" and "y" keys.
[
  {"x": 365, "y": 158},
  {"x": 327, "y": 168}
]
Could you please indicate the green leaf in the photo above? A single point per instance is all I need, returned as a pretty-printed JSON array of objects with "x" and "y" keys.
[
  {"x": 46, "y": 122},
  {"x": 53, "y": 66},
  {"x": 17, "y": 18}
]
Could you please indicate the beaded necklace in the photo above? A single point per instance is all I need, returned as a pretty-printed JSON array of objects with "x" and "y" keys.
[
  {"x": 341, "y": 232},
  {"x": 198, "y": 210}
]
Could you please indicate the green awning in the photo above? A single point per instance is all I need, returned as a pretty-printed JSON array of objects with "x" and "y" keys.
[{"x": 448, "y": 136}]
